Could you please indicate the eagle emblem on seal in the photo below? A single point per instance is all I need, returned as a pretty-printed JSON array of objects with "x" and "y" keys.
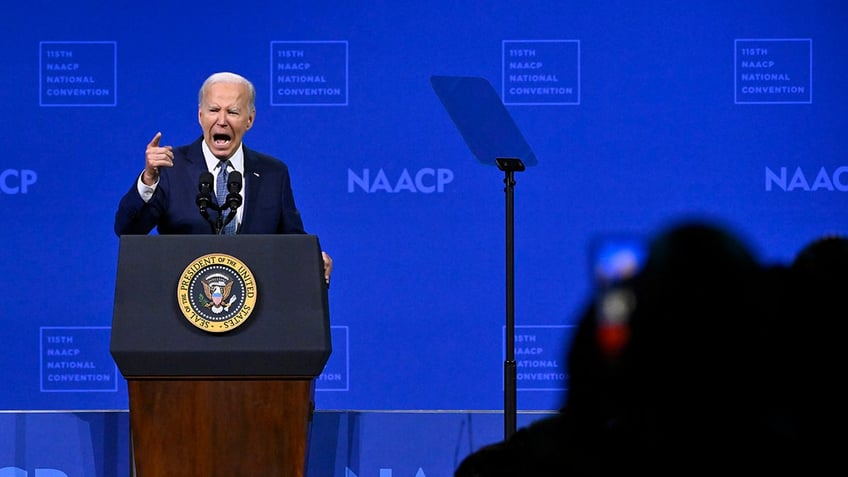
[{"x": 218, "y": 290}]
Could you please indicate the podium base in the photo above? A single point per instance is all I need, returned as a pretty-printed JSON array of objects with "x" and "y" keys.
[{"x": 219, "y": 427}]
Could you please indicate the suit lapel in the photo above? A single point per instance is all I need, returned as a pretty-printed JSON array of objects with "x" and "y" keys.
[
  {"x": 195, "y": 159},
  {"x": 252, "y": 184}
]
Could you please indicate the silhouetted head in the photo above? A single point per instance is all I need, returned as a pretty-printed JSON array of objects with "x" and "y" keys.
[
  {"x": 820, "y": 273},
  {"x": 685, "y": 373}
]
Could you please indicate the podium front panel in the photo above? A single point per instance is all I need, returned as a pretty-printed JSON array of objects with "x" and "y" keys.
[{"x": 287, "y": 333}]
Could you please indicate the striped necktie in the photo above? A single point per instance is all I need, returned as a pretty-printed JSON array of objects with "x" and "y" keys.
[{"x": 221, "y": 191}]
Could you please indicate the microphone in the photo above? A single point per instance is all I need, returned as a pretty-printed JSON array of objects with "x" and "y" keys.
[
  {"x": 233, "y": 200},
  {"x": 234, "y": 184},
  {"x": 204, "y": 197},
  {"x": 205, "y": 188}
]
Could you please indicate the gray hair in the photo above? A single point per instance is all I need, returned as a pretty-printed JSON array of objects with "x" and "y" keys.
[{"x": 227, "y": 77}]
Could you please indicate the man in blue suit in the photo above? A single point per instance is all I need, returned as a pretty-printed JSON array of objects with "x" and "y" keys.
[{"x": 165, "y": 194}]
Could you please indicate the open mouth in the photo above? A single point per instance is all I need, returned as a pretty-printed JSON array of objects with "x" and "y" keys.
[{"x": 221, "y": 139}]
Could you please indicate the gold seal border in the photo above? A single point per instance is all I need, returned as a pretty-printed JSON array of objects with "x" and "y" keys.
[{"x": 239, "y": 269}]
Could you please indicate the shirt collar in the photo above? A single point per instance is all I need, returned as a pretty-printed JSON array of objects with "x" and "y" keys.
[{"x": 236, "y": 160}]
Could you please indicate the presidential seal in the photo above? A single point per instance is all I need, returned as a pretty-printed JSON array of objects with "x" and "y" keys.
[{"x": 216, "y": 293}]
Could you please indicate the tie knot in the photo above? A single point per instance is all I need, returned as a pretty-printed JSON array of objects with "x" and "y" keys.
[
  {"x": 221, "y": 182},
  {"x": 223, "y": 175}
]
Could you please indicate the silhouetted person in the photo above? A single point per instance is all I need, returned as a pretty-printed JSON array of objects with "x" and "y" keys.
[
  {"x": 816, "y": 381},
  {"x": 675, "y": 397},
  {"x": 687, "y": 402}
]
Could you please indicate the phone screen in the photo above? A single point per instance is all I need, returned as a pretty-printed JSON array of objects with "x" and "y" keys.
[{"x": 616, "y": 258}]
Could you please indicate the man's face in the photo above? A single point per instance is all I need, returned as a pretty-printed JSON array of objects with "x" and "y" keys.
[{"x": 224, "y": 116}]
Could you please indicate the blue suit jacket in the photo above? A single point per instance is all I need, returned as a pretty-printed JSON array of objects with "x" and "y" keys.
[{"x": 269, "y": 206}]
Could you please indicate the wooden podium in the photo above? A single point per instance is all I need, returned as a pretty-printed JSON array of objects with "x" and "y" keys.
[{"x": 237, "y": 400}]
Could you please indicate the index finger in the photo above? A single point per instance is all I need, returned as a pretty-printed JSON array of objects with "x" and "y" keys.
[{"x": 155, "y": 141}]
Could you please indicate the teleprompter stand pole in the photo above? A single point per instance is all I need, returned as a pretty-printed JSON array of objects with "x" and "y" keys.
[{"x": 510, "y": 166}]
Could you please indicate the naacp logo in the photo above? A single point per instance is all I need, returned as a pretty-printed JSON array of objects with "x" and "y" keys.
[{"x": 216, "y": 293}]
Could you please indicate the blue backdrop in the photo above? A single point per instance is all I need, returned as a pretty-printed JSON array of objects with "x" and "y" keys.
[{"x": 638, "y": 113}]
